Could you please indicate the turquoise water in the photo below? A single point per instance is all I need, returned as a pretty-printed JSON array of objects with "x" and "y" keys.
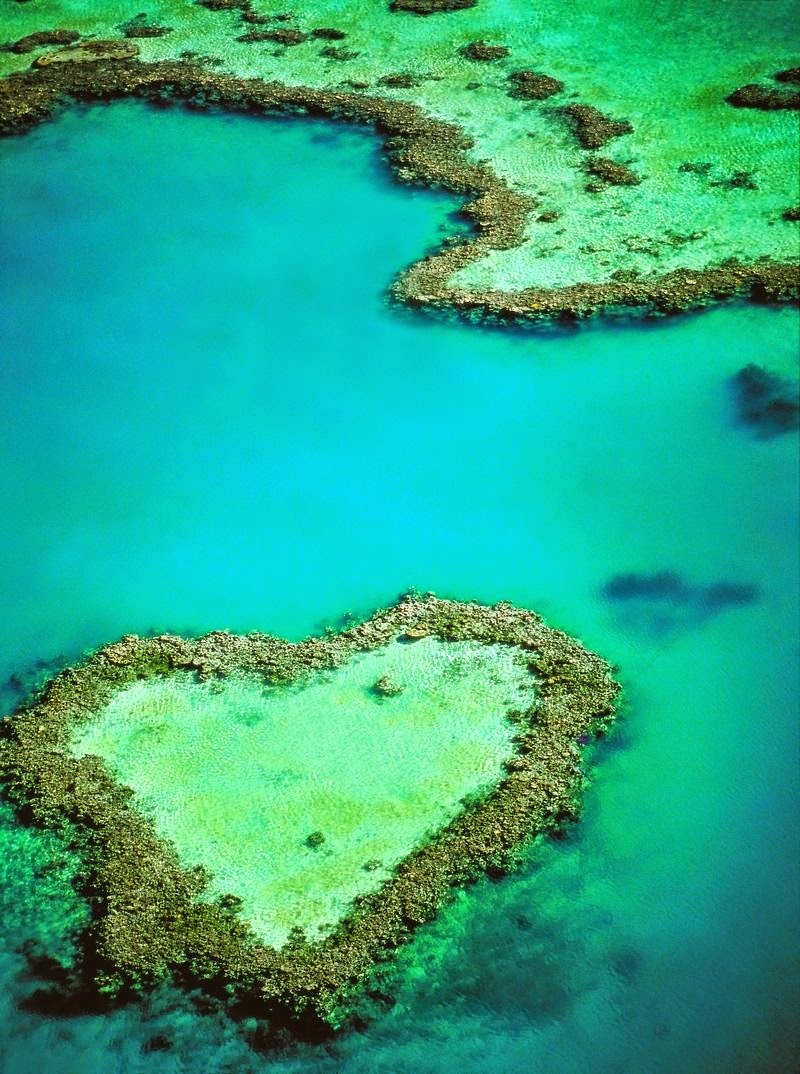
[{"x": 187, "y": 443}]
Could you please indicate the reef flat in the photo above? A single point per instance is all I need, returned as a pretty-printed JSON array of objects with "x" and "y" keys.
[
  {"x": 598, "y": 178},
  {"x": 154, "y": 913}
]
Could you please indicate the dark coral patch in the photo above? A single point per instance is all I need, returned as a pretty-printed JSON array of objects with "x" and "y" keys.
[
  {"x": 766, "y": 98},
  {"x": 612, "y": 172},
  {"x": 430, "y": 7},
  {"x": 664, "y": 602},
  {"x": 482, "y": 52},
  {"x": 329, "y": 33},
  {"x": 791, "y": 74},
  {"x": 594, "y": 128},
  {"x": 281, "y": 36},
  {"x": 533, "y": 85},
  {"x": 767, "y": 403},
  {"x": 42, "y": 38},
  {"x": 141, "y": 26}
]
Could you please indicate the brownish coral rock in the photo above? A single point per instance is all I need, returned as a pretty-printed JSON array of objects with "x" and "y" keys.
[
  {"x": 335, "y": 52},
  {"x": 612, "y": 172},
  {"x": 281, "y": 36},
  {"x": 43, "y": 37},
  {"x": 90, "y": 51},
  {"x": 592, "y": 127},
  {"x": 485, "y": 53},
  {"x": 140, "y": 26},
  {"x": 534, "y": 86},
  {"x": 766, "y": 98},
  {"x": 224, "y": 5},
  {"x": 430, "y": 7},
  {"x": 401, "y": 80}
]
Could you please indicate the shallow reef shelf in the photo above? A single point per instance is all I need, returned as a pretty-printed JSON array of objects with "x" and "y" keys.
[
  {"x": 421, "y": 149},
  {"x": 158, "y": 913}
]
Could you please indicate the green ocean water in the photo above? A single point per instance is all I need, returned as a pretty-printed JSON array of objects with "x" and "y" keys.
[{"x": 212, "y": 419}]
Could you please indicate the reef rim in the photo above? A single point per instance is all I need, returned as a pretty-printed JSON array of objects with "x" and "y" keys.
[{"x": 148, "y": 922}]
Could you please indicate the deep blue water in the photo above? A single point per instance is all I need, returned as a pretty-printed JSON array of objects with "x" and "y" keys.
[{"x": 211, "y": 418}]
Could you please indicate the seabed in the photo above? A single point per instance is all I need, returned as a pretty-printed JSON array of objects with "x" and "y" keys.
[{"x": 273, "y": 818}]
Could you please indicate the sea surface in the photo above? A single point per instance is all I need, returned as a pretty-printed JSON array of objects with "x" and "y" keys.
[{"x": 212, "y": 418}]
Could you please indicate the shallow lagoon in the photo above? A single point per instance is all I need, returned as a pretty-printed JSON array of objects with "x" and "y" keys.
[
  {"x": 244, "y": 462},
  {"x": 241, "y": 776}
]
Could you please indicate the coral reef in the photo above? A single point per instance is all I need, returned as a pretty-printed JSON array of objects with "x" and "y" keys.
[
  {"x": 594, "y": 128},
  {"x": 150, "y": 919},
  {"x": 533, "y": 86},
  {"x": 767, "y": 403},
  {"x": 485, "y": 53}
]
